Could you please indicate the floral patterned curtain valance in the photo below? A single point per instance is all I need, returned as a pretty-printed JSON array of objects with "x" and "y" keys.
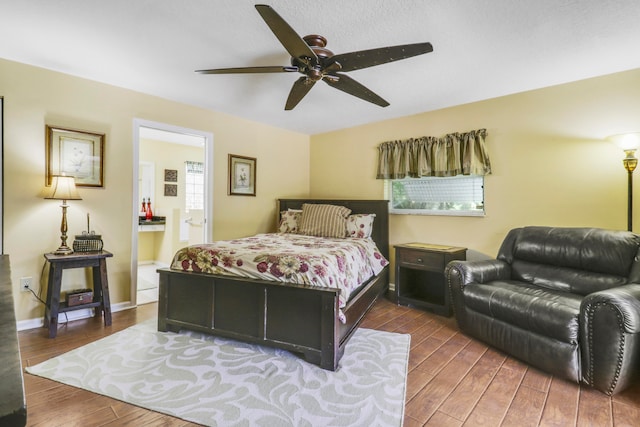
[{"x": 453, "y": 154}]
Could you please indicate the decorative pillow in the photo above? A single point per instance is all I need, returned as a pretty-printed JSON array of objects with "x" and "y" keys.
[
  {"x": 360, "y": 225},
  {"x": 290, "y": 221},
  {"x": 323, "y": 220}
]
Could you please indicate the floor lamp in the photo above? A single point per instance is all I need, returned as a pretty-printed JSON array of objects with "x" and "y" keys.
[
  {"x": 629, "y": 142},
  {"x": 63, "y": 188}
]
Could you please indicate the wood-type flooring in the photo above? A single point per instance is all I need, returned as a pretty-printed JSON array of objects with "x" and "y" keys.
[{"x": 453, "y": 380}]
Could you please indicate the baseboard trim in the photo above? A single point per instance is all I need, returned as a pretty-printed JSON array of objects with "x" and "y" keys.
[{"x": 24, "y": 325}]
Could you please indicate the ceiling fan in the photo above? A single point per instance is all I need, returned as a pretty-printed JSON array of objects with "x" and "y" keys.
[{"x": 315, "y": 62}]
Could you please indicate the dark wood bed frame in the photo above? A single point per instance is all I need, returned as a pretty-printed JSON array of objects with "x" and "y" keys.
[{"x": 297, "y": 318}]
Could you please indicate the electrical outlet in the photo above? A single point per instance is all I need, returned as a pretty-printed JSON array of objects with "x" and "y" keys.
[{"x": 25, "y": 284}]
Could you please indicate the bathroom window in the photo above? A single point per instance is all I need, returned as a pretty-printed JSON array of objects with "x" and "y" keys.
[{"x": 194, "y": 185}]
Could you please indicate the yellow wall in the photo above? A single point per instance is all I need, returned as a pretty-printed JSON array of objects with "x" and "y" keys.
[
  {"x": 147, "y": 246},
  {"x": 551, "y": 165},
  {"x": 35, "y": 97}
]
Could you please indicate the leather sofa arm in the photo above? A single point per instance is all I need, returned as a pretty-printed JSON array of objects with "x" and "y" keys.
[
  {"x": 461, "y": 273},
  {"x": 610, "y": 337}
]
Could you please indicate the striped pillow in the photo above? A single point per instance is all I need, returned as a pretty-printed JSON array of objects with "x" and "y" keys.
[{"x": 324, "y": 220}]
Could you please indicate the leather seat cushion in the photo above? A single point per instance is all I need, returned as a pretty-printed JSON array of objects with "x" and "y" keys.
[{"x": 546, "y": 312}]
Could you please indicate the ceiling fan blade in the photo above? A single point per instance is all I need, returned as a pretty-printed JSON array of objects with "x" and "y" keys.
[
  {"x": 245, "y": 70},
  {"x": 300, "y": 88},
  {"x": 352, "y": 87},
  {"x": 369, "y": 58},
  {"x": 291, "y": 41}
]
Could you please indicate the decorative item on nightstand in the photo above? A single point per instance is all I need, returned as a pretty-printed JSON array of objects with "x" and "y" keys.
[
  {"x": 88, "y": 241},
  {"x": 63, "y": 188}
]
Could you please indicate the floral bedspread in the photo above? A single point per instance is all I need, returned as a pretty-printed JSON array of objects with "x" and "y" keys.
[{"x": 293, "y": 258}]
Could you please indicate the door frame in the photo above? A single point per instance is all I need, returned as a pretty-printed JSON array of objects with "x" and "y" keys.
[{"x": 208, "y": 188}]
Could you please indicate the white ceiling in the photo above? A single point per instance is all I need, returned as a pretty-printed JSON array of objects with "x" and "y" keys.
[{"x": 482, "y": 49}]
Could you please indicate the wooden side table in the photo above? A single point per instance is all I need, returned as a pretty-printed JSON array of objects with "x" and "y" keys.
[
  {"x": 101, "y": 302},
  {"x": 420, "y": 280}
]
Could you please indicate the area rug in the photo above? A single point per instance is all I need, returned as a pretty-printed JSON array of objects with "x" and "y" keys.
[{"x": 222, "y": 382}]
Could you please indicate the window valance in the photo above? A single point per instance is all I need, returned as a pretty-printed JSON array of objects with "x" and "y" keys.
[{"x": 451, "y": 155}]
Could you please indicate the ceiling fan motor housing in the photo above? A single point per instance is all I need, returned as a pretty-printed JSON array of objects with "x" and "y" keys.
[{"x": 314, "y": 70}]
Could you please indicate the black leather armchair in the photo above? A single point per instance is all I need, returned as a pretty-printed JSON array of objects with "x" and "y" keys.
[{"x": 565, "y": 300}]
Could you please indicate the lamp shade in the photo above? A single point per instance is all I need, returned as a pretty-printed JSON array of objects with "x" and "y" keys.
[
  {"x": 63, "y": 188},
  {"x": 626, "y": 141}
]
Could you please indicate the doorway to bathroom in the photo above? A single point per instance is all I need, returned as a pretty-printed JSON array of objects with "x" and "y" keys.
[{"x": 172, "y": 198}]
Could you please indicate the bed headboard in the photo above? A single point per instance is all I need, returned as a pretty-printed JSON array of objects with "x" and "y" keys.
[{"x": 380, "y": 233}]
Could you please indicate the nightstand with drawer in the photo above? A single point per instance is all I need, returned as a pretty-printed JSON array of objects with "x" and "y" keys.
[{"x": 420, "y": 280}]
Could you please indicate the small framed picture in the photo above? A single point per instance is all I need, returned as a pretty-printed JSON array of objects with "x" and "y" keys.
[
  {"x": 170, "y": 190},
  {"x": 171, "y": 175},
  {"x": 75, "y": 153},
  {"x": 242, "y": 175}
]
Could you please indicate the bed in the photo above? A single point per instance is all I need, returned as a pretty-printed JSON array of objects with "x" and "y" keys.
[{"x": 261, "y": 311}]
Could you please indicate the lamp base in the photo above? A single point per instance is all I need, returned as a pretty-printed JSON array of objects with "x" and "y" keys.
[{"x": 63, "y": 250}]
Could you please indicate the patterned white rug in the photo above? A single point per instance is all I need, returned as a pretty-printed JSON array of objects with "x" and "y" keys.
[{"x": 221, "y": 382}]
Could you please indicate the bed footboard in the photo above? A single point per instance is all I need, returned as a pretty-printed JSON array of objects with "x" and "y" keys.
[{"x": 297, "y": 318}]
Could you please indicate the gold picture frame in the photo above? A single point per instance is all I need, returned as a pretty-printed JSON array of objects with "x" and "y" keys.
[
  {"x": 242, "y": 175},
  {"x": 75, "y": 153}
]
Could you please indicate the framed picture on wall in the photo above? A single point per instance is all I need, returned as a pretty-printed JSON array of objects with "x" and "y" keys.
[
  {"x": 75, "y": 153},
  {"x": 242, "y": 175},
  {"x": 171, "y": 175},
  {"x": 170, "y": 190}
]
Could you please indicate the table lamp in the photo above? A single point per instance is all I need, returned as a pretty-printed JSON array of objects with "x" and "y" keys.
[{"x": 63, "y": 188}]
